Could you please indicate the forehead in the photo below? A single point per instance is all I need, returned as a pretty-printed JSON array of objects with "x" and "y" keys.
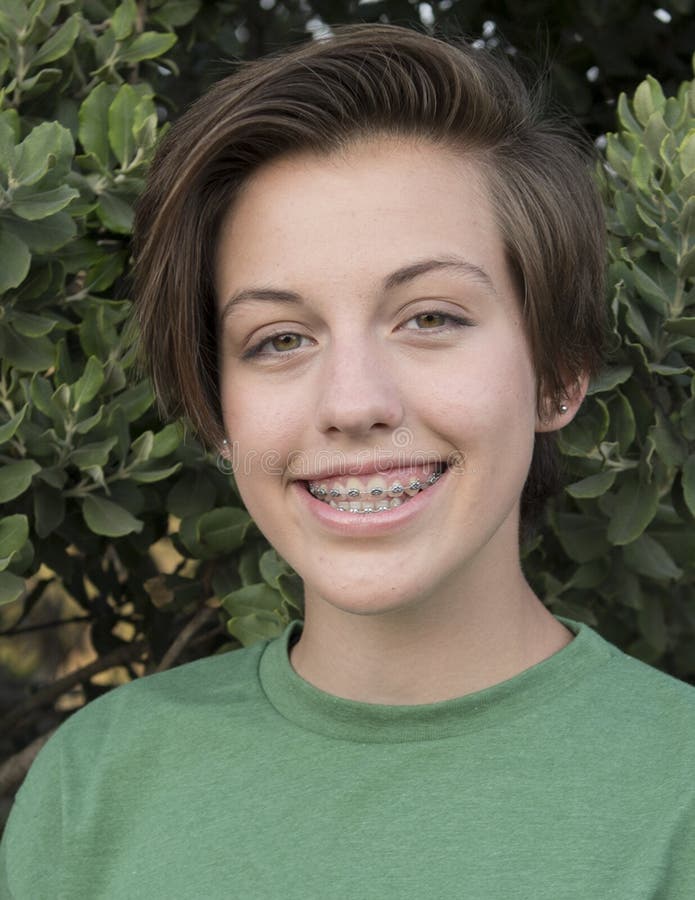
[{"x": 346, "y": 219}]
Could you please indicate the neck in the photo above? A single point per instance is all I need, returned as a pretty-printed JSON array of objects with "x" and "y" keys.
[{"x": 426, "y": 653}]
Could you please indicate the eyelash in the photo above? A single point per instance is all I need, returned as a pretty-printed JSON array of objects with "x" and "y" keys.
[{"x": 458, "y": 322}]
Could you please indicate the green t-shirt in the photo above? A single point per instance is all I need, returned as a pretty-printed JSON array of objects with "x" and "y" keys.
[{"x": 232, "y": 777}]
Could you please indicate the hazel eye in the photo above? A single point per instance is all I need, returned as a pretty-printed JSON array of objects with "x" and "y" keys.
[
  {"x": 280, "y": 344},
  {"x": 436, "y": 320},
  {"x": 287, "y": 341},
  {"x": 430, "y": 319}
]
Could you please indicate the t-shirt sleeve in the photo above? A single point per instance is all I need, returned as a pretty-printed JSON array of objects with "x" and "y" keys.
[
  {"x": 31, "y": 848},
  {"x": 679, "y": 880}
]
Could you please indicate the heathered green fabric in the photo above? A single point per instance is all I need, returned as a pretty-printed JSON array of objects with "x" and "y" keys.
[{"x": 234, "y": 777}]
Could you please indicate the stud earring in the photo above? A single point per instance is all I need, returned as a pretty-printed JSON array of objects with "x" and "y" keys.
[
  {"x": 562, "y": 407},
  {"x": 224, "y": 462}
]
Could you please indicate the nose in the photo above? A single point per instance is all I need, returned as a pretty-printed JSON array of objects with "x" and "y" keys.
[{"x": 358, "y": 390}]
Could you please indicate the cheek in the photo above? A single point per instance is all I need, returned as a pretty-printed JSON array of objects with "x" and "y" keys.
[{"x": 490, "y": 394}]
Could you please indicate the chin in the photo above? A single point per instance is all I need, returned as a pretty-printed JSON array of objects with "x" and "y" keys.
[{"x": 364, "y": 599}]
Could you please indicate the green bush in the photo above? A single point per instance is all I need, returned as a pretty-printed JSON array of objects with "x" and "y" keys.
[
  {"x": 619, "y": 550},
  {"x": 90, "y": 480}
]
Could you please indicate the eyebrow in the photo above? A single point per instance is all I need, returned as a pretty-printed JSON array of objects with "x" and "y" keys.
[{"x": 395, "y": 279}]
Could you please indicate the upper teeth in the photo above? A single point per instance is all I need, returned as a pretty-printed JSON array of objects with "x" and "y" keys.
[{"x": 352, "y": 488}]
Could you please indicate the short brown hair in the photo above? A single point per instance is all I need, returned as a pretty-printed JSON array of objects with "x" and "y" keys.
[{"x": 365, "y": 81}]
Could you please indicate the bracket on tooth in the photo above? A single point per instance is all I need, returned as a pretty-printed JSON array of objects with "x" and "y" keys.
[{"x": 394, "y": 490}]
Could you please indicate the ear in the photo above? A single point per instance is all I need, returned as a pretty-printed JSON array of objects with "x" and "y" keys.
[{"x": 554, "y": 416}]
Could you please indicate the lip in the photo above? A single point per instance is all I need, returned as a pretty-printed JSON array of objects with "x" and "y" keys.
[{"x": 366, "y": 524}]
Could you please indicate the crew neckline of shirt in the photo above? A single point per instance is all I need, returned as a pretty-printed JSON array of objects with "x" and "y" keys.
[{"x": 318, "y": 711}]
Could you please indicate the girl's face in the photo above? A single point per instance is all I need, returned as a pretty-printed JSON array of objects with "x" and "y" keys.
[{"x": 378, "y": 329}]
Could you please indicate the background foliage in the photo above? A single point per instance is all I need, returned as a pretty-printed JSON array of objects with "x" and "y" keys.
[{"x": 119, "y": 537}]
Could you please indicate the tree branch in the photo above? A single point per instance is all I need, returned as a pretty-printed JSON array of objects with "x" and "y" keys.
[
  {"x": 44, "y": 696},
  {"x": 195, "y": 624}
]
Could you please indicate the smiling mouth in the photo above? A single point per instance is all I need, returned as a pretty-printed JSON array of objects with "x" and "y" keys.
[{"x": 377, "y": 500}]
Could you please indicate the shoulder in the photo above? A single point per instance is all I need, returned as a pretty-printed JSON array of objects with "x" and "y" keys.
[
  {"x": 142, "y": 710},
  {"x": 636, "y": 702}
]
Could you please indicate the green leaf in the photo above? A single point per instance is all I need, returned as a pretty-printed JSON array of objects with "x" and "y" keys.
[
  {"x": 583, "y": 435},
  {"x": 93, "y": 454},
  {"x": 43, "y": 235},
  {"x": 27, "y": 354},
  {"x": 121, "y": 119},
  {"x": 255, "y": 626},
  {"x": 123, "y": 20},
  {"x": 649, "y": 98},
  {"x": 15, "y": 478},
  {"x": 625, "y": 116},
  {"x": 136, "y": 400},
  {"x": 55, "y": 476},
  {"x": 609, "y": 379},
  {"x": 686, "y": 154},
  {"x": 104, "y": 272},
  {"x": 654, "y": 134},
  {"x": 85, "y": 425},
  {"x": 647, "y": 557},
  {"x": 142, "y": 447},
  {"x": 686, "y": 264},
  {"x": 648, "y": 289},
  {"x": 593, "y": 486},
  {"x": 291, "y": 588},
  {"x": 7, "y": 143},
  {"x": 641, "y": 168},
  {"x": 15, "y": 260},
  {"x": 58, "y": 44},
  {"x": 107, "y": 518},
  {"x": 147, "y": 46},
  {"x": 116, "y": 213},
  {"x": 685, "y": 325},
  {"x": 31, "y": 325},
  {"x": 192, "y": 495},
  {"x": 175, "y": 13},
  {"x": 669, "y": 445},
  {"x": 14, "y": 531},
  {"x": 88, "y": 384},
  {"x": 582, "y": 537},
  {"x": 9, "y": 428},
  {"x": 623, "y": 426},
  {"x": 635, "y": 507},
  {"x": 148, "y": 476},
  {"x": 31, "y": 204},
  {"x": 11, "y": 587},
  {"x": 166, "y": 441},
  {"x": 686, "y": 218},
  {"x": 222, "y": 530},
  {"x": 40, "y": 83},
  {"x": 618, "y": 156},
  {"x": 94, "y": 122},
  {"x": 689, "y": 483},
  {"x": 40, "y": 392},
  {"x": 659, "y": 369},
  {"x": 49, "y": 509},
  {"x": 252, "y": 598},
  {"x": 39, "y": 151},
  {"x": 271, "y": 567},
  {"x": 248, "y": 567}
]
